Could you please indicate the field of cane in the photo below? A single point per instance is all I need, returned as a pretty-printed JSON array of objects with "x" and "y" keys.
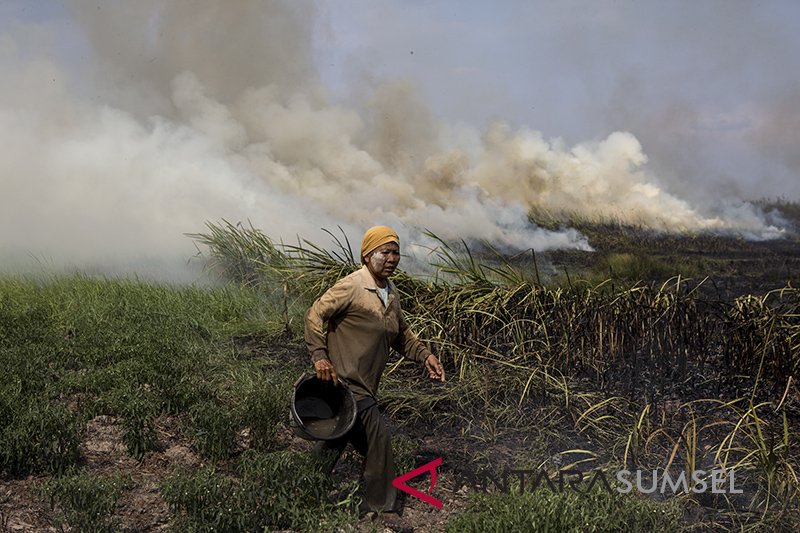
[{"x": 128, "y": 406}]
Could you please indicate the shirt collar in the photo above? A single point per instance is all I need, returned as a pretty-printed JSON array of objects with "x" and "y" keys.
[{"x": 368, "y": 282}]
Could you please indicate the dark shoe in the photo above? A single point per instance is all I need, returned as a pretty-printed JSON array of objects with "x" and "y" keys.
[{"x": 396, "y": 523}]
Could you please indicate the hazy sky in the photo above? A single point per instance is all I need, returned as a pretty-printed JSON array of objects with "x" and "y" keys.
[
  {"x": 710, "y": 88},
  {"x": 126, "y": 124}
]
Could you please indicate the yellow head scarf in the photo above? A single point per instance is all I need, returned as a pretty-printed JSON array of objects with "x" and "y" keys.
[{"x": 377, "y": 236}]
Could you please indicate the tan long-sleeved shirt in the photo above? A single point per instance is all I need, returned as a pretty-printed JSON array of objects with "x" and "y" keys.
[{"x": 360, "y": 331}]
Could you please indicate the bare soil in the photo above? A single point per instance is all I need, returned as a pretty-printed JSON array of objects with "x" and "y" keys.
[{"x": 141, "y": 508}]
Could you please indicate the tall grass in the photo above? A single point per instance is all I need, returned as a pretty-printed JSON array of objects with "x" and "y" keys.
[{"x": 472, "y": 310}]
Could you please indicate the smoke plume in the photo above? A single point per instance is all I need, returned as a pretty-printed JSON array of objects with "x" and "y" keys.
[{"x": 167, "y": 115}]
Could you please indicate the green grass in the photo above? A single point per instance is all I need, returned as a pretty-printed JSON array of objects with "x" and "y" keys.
[
  {"x": 84, "y": 502},
  {"x": 278, "y": 490},
  {"x": 565, "y": 512},
  {"x": 114, "y": 347},
  {"x": 36, "y": 435},
  {"x": 73, "y": 348}
]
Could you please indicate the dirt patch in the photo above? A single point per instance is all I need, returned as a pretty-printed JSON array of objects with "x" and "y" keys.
[
  {"x": 102, "y": 449},
  {"x": 140, "y": 509},
  {"x": 21, "y": 510}
]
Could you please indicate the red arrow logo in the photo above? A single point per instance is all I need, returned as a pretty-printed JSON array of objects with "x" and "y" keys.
[{"x": 400, "y": 482}]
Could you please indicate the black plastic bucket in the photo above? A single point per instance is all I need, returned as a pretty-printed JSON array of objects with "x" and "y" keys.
[{"x": 321, "y": 410}]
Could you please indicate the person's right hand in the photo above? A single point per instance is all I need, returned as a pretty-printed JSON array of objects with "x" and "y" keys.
[{"x": 325, "y": 371}]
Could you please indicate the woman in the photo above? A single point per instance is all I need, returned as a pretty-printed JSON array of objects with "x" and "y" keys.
[{"x": 349, "y": 331}]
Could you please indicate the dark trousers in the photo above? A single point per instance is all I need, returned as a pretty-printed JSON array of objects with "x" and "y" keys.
[{"x": 371, "y": 438}]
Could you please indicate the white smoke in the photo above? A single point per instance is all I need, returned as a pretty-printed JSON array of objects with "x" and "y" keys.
[{"x": 210, "y": 111}]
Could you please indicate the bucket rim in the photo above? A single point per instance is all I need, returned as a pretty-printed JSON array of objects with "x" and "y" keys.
[{"x": 298, "y": 425}]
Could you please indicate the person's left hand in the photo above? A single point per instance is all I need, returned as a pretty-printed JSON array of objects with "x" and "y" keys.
[{"x": 434, "y": 368}]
